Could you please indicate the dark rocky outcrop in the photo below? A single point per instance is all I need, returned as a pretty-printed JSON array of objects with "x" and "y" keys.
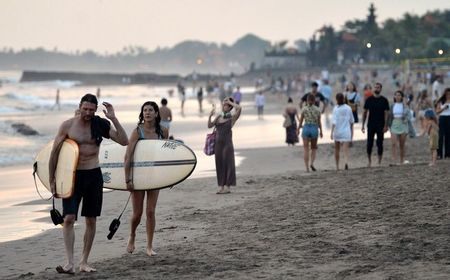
[{"x": 24, "y": 129}]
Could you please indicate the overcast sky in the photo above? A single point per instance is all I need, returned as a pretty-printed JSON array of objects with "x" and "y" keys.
[{"x": 109, "y": 25}]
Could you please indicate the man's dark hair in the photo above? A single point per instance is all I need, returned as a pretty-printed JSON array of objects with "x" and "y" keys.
[
  {"x": 164, "y": 101},
  {"x": 381, "y": 86},
  {"x": 89, "y": 98},
  {"x": 314, "y": 84},
  {"x": 340, "y": 98}
]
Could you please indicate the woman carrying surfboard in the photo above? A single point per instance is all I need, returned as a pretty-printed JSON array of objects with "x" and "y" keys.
[
  {"x": 148, "y": 127},
  {"x": 223, "y": 149}
]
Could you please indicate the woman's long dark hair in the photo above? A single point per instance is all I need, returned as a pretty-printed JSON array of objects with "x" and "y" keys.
[
  {"x": 158, "y": 129},
  {"x": 354, "y": 87},
  {"x": 443, "y": 98},
  {"x": 401, "y": 93}
]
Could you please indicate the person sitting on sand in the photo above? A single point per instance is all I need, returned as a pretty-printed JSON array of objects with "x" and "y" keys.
[
  {"x": 87, "y": 130},
  {"x": 148, "y": 127},
  {"x": 223, "y": 148},
  {"x": 310, "y": 131}
]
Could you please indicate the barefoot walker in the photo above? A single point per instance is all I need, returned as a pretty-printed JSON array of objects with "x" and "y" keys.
[
  {"x": 87, "y": 130},
  {"x": 223, "y": 148},
  {"x": 149, "y": 127}
]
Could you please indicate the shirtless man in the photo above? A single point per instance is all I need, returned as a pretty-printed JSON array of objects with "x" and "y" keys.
[
  {"x": 88, "y": 131},
  {"x": 166, "y": 114}
]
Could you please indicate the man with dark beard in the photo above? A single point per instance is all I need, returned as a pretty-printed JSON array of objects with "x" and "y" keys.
[
  {"x": 88, "y": 131},
  {"x": 377, "y": 106}
]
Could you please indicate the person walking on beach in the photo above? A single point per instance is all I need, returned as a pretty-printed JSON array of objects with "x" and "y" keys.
[
  {"x": 148, "y": 127},
  {"x": 57, "y": 101},
  {"x": 200, "y": 99},
  {"x": 166, "y": 114},
  {"x": 341, "y": 129},
  {"x": 436, "y": 88},
  {"x": 327, "y": 92},
  {"x": 352, "y": 99},
  {"x": 182, "y": 94},
  {"x": 318, "y": 97},
  {"x": 443, "y": 110},
  {"x": 423, "y": 104},
  {"x": 398, "y": 119},
  {"x": 260, "y": 101},
  {"x": 237, "y": 96},
  {"x": 224, "y": 149},
  {"x": 367, "y": 92},
  {"x": 432, "y": 129},
  {"x": 87, "y": 130},
  {"x": 292, "y": 114},
  {"x": 310, "y": 131},
  {"x": 377, "y": 106}
]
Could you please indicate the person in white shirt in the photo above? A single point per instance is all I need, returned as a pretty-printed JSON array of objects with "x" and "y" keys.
[
  {"x": 398, "y": 125},
  {"x": 341, "y": 129},
  {"x": 260, "y": 102},
  {"x": 436, "y": 88}
]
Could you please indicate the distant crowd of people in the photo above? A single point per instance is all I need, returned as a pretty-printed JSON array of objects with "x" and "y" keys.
[{"x": 380, "y": 116}]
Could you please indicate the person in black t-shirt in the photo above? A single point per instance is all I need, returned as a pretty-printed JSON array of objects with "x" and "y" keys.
[
  {"x": 378, "y": 108},
  {"x": 319, "y": 97}
]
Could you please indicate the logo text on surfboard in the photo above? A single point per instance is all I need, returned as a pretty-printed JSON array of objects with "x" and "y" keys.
[{"x": 170, "y": 145}]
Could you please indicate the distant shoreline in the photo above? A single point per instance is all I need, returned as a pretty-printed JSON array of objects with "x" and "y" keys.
[{"x": 103, "y": 78}]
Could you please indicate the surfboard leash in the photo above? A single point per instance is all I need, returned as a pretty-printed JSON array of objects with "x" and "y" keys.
[
  {"x": 114, "y": 226},
  {"x": 35, "y": 184},
  {"x": 126, "y": 204}
]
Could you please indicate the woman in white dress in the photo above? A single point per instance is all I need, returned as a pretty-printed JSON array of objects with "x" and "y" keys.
[{"x": 342, "y": 129}]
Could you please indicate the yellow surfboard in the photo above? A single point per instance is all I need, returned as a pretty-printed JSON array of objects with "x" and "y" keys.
[{"x": 65, "y": 169}]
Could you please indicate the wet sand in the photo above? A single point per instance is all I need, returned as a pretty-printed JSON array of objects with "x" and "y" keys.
[{"x": 387, "y": 222}]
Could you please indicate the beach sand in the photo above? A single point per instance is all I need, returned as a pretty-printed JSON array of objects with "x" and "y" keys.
[
  {"x": 387, "y": 222},
  {"x": 278, "y": 223}
]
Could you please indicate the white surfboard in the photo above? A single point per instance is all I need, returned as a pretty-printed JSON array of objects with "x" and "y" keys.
[
  {"x": 157, "y": 164},
  {"x": 65, "y": 169}
]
